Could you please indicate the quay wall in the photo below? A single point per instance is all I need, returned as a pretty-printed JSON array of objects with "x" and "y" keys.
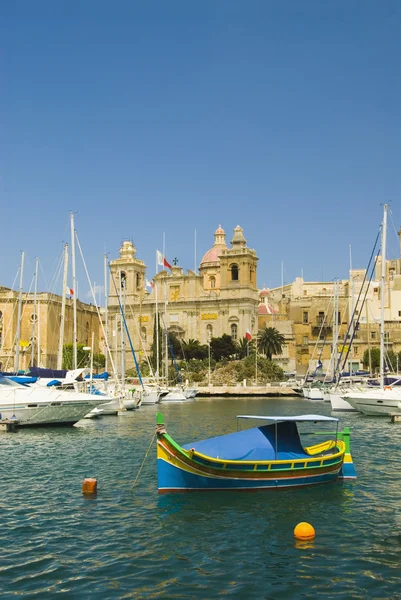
[{"x": 225, "y": 390}]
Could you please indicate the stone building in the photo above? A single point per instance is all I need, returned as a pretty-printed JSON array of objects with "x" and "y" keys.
[
  {"x": 40, "y": 328},
  {"x": 221, "y": 299}
]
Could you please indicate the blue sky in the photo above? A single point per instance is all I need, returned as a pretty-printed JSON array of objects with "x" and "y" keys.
[{"x": 154, "y": 116}]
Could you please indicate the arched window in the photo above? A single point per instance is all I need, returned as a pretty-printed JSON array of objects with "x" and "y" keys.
[
  {"x": 212, "y": 282},
  {"x": 234, "y": 332},
  {"x": 234, "y": 273},
  {"x": 144, "y": 334},
  {"x": 34, "y": 318},
  {"x": 123, "y": 279},
  {"x": 138, "y": 281},
  {"x": 209, "y": 332}
]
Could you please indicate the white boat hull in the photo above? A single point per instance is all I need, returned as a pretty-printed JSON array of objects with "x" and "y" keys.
[
  {"x": 376, "y": 402},
  {"x": 338, "y": 403}
]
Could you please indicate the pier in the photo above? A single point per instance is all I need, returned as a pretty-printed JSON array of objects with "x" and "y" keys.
[{"x": 251, "y": 391}]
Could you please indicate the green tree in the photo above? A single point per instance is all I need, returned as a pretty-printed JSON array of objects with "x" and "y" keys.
[
  {"x": 271, "y": 342},
  {"x": 244, "y": 348},
  {"x": 374, "y": 359},
  {"x": 83, "y": 356},
  {"x": 223, "y": 347},
  {"x": 194, "y": 349}
]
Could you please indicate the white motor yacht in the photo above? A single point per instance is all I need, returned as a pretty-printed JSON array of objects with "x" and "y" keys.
[{"x": 35, "y": 405}]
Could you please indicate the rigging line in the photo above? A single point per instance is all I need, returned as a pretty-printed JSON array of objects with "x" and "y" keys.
[
  {"x": 98, "y": 311},
  {"x": 143, "y": 462},
  {"x": 126, "y": 329},
  {"x": 172, "y": 353},
  {"x": 318, "y": 337},
  {"x": 56, "y": 274},
  {"x": 351, "y": 320},
  {"x": 359, "y": 315},
  {"x": 392, "y": 222},
  {"x": 142, "y": 341}
]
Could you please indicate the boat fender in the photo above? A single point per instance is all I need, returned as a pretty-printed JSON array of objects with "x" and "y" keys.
[{"x": 388, "y": 387}]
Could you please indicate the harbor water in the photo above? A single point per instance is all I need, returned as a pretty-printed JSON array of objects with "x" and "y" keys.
[{"x": 135, "y": 543}]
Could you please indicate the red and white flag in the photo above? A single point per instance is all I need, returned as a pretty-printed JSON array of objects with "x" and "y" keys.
[
  {"x": 248, "y": 335},
  {"x": 150, "y": 284},
  {"x": 161, "y": 260},
  {"x": 69, "y": 291}
]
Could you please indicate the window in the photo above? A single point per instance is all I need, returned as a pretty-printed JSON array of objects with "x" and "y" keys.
[
  {"x": 234, "y": 332},
  {"x": 356, "y": 350},
  {"x": 209, "y": 332},
  {"x": 34, "y": 318},
  {"x": 123, "y": 279},
  {"x": 143, "y": 334},
  {"x": 138, "y": 281},
  {"x": 376, "y": 290},
  {"x": 1, "y": 316},
  {"x": 386, "y": 336},
  {"x": 399, "y": 314},
  {"x": 234, "y": 273},
  {"x": 373, "y": 335},
  {"x": 305, "y": 340},
  {"x": 339, "y": 317},
  {"x": 212, "y": 282},
  {"x": 305, "y": 317},
  {"x": 320, "y": 318}
]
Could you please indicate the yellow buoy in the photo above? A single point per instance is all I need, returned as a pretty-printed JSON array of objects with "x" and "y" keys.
[
  {"x": 89, "y": 486},
  {"x": 304, "y": 531}
]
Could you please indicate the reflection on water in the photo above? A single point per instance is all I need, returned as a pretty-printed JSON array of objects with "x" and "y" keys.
[{"x": 125, "y": 543}]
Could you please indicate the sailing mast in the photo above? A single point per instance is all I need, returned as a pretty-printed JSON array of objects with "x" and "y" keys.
[
  {"x": 18, "y": 335},
  {"x": 35, "y": 318},
  {"x": 74, "y": 291},
  {"x": 106, "y": 314},
  {"x": 382, "y": 291},
  {"x": 62, "y": 318}
]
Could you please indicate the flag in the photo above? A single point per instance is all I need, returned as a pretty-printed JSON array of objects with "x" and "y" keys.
[
  {"x": 248, "y": 335},
  {"x": 161, "y": 260},
  {"x": 149, "y": 284},
  {"x": 319, "y": 364},
  {"x": 69, "y": 291}
]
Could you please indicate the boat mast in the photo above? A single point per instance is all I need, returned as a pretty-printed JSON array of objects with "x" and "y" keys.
[
  {"x": 62, "y": 317},
  {"x": 74, "y": 291},
  {"x": 106, "y": 314},
  {"x": 34, "y": 312},
  {"x": 382, "y": 289},
  {"x": 18, "y": 335},
  {"x": 157, "y": 326}
]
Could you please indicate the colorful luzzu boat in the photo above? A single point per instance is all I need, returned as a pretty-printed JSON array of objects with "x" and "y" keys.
[{"x": 266, "y": 457}]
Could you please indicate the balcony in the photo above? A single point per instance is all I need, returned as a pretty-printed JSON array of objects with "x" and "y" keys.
[{"x": 322, "y": 330}]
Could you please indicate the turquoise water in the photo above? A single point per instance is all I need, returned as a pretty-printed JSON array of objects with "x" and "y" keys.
[{"x": 138, "y": 544}]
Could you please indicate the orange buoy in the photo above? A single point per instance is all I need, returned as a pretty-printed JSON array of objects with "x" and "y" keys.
[
  {"x": 89, "y": 486},
  {"x": 304, "y": 531}
]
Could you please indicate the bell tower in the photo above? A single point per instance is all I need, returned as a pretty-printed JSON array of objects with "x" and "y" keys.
[
  {"x": 127, "y": 273},
  {"x": 238, "y": 263}
]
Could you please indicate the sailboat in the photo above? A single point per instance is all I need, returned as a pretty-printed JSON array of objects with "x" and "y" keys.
[{"x": 383, "y": 400}]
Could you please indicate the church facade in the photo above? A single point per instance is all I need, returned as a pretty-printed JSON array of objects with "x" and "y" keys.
[{"x": 222, "y": 298}]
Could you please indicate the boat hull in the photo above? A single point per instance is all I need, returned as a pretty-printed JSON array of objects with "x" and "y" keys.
[{"x": 178, "y": 473}]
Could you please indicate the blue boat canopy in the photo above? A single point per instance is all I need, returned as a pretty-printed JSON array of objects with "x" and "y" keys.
[
  {"x": 276, "y": 441},
  {"x": 276, "y": 419}
]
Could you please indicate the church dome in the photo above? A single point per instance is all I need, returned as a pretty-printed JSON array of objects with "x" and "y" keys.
[
  {"x": 265, "y": 292},
  {"x": 213, "y": 255}
]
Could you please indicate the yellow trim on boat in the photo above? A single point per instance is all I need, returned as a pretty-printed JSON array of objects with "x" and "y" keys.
[
  {"x": 318, "y": 448},
  {"x": 340, "y": 444}
]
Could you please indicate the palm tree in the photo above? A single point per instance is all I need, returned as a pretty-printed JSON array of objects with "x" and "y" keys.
[
  {"x": 270, "y": 342},
  {"x": 243, "y": 348}
]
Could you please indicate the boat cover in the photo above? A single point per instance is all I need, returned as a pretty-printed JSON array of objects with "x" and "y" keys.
[{"x": 258, "y": 443}]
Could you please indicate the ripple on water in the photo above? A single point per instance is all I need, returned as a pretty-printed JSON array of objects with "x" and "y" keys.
[{"x": 137, "y": 544}]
